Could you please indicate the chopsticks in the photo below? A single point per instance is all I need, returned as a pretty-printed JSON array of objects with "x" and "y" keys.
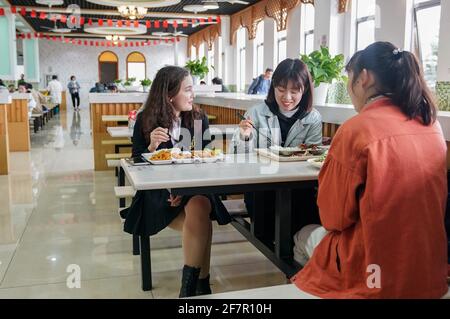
[{"x": 242, "y": 117}]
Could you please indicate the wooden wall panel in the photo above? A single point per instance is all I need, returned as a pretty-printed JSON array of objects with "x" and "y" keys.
[
  {"x": 63, "y": 105},
  {"x": 4, "y": 141},
  {"x": 99, "y": 131},
  {"x": 18, "y": 126}
]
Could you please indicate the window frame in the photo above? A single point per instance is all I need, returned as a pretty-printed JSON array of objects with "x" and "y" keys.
[
  {"x": 417, "y": 7},
  {"x": 145, "y": 63},
  {"x": 279, "y": 40}
]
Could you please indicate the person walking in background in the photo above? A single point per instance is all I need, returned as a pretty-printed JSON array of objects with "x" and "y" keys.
[
  {"x": 74, "y": 89},
  {"x": 55, "y": 89},
  {"x": 261, "y": 84}
]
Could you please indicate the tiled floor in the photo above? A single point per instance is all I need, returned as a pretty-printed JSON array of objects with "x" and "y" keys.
[{"x": 56, "y": 211}]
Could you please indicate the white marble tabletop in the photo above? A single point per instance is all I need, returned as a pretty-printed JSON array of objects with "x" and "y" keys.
[
  {"x": 135, "y": 97},
  {"x": 234, "y": 170},
  {"x": 5, "y": 98},
  {"x": 114, "y": 118},
  {"x": 120, "y": 131}
]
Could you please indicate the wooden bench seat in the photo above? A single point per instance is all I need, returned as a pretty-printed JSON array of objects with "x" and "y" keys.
[
  {"x": 117, "y": 142},
  {"x": 117, "y": 156}
]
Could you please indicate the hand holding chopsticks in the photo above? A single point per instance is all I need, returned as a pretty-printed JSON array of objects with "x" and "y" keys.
[{"x": 246, "y": 126}]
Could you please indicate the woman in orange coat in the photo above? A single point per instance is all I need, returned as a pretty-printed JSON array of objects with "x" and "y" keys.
[{"x": 382, "y": 190}]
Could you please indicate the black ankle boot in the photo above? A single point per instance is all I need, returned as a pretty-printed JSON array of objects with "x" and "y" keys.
[
  {"x": 189, "y": 281},
  {"x": 203, "y": 287}
]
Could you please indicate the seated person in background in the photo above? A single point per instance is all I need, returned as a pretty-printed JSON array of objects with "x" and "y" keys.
[
  {"x": 261, "y": 84},
  {"x": 168, "y": 111},
  {"x": 202, "y": 82},
  {"x": 382, "y": 189},
  {"x": 2, "y": 86},
  {"x": 39, "y": 98},
  {"x": 218, "y": 81},
  {"x": 11, "y": 88},
  {"x": 98, "y": 88},
  {"x": 113, "y": 89},
  {"x": 23, "y": 88}
]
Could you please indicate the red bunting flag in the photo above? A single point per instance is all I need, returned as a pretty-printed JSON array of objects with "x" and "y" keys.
[
  {"x": 136, "y": 24},
  {"x": 209, "y": 19},
  {"x": 63, "y": 18},
  {"x": 119, "y": 23},
  {"x": 23, "y": 11},
  {"x": 33, "y": 13},
  {"x": 147, "y": 24},
  {"x": 90, "y": 22},
  {"x": 82, "y": 21},
  {"x": 67, "y": 40},
  {"x": 156, "y": 24},
  {"x": 73, "y": 19},
  {"x": 185, "y": 23},
  {"x": 113, "y": 44},
  {"x": 119, "y": 45},
  {"x": 202, "y": 21},
  {"x": 165, "y": 24},
  {"x": 194, "y": 21},
  {"x": 91, "y": 43},
  {"x": 149, "y": 42},
  {"x": 131, "y": 44},
  {"x": 110, "y": 23},
  {"x": 79, "y": 42},
  {"x": 125, "y": 44},
  {"x": 137, "y": 44},
  {"x": 47, "y": 37},
  {"x": 41, "y": 36},
  {"x": 128, "y": 23},
  {"x": 172, "y": 40},
  {"x": 100, "y": 22},
  {"x": 29, "y": 36},
  {"x": 13, "y": 10},
  {"x": 54, "y": 38},
  {"x": 85, "y": 42},
  {"x": 96, "y": 43},
  {"x": 218, "y": 19},
  {"x": 175, "y": 24},
  {"x": 108, "y": 44},
  {"x": 166, "y": 40},
  {"x": 155, "y": 42},
  {"x": 42, "y": 16},
  {"x": 178, "y": 39}
]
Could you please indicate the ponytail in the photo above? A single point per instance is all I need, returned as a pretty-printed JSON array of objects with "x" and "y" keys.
[{"x": 398, "y": 76}]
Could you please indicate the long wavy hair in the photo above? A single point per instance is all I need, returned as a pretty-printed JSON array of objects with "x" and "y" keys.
[{"x": 158, "y": 110}]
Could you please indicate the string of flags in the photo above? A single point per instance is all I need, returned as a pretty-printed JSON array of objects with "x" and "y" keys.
[
  {"x": 97, "y": 43},
  {"x": 80, "y": 20}
]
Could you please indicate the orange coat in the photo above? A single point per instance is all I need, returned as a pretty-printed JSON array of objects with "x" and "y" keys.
[{"x": 382, "y": 197}]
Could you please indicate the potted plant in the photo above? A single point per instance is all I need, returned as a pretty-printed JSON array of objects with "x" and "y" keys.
[
  {"x": 146, "y": 84},
  {"x": 324, "y": 69},
  {"x": 198, "y": 68},
  {"x": 128, "y": 84}
]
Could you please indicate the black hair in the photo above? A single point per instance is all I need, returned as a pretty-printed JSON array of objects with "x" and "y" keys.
[
  {"x": 296, "y": 71},
  {"x": 269, "y": 70},
  {"x": 72, "y": 77},
  {"x": 217, "y": 81},
  {"x": 54, "y": 77},
  {"x": 399, "y": 76}
]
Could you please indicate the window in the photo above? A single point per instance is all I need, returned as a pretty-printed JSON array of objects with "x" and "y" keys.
[
  {"x": 259, "y": 50},
  {"x": 365, "y": 23},
  {"x": 201, "y": 51},
  {"x": 136, "y": 66},
  {"x": 108, "y": 67},
  {"x": 241, "y": 34},
  {"x": 281, "y": 47},
  {"x": 426, "y": 36},
  {"x": 307, "y": 29},
  {"x": 210, "y": 64}
]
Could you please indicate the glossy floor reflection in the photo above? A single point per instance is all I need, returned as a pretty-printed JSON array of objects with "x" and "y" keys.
[{"x": 56, "y": 211}]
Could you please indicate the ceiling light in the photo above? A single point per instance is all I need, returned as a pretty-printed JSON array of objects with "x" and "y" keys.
[
  {"x": 211, "y": 5},
  {"x": 132, "y": 12}
]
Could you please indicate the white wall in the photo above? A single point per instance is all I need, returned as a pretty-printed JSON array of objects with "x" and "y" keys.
[
  {"x": 65, "y": 60},
  {"x": 293, "y": 34},
  {"x": 393, "y": 22}
]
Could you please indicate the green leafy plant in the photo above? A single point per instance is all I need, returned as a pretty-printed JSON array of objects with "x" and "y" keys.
[
  {"x": 118, "y": 81},
  {"x": 129, "y": 81},
  {"x": 198, "y": 67},
  {"x": 323, "y": 67},
  {"x": 146, "y": 82}
]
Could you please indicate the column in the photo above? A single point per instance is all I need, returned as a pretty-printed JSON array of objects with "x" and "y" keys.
[
  {"x": 249, "y": 61},
  {"x": 269, "y": 43},
  {"x": 228, "y": 72},
  {"x": 329, "y": 26},
  {"x": 31, "y": 59},
  {"x": 393, "y": 22},
  {"x": 8, "y": 50},
  {"x": 294, "y": 32}
]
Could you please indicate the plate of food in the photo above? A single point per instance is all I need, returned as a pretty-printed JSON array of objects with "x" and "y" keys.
[
  {"x": 301, "y": 150},
  {"x": 182, "y": 157},
  {"x": 209, "y": 156},
  {"x": 317, "y": 162},
  {"x": 163, "y": 156}
]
